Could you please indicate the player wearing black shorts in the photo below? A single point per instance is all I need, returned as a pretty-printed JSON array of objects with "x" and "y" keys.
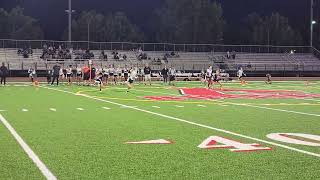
[
  {"x": 209, "y": 77},
  {"x": 216, "y": 78},
  {"x": 69, "y": 74},
  {"x": 268, "y": 81}
]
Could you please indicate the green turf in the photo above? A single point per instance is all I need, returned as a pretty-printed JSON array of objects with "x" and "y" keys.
[{"x": 90, "y": 144}]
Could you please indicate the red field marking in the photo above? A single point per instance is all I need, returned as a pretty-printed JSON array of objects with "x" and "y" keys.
[{"x": 203, "y": 93}]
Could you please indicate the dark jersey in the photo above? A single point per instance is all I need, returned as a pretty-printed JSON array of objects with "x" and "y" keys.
[
  {"x": 164, "y": 72},
  {"x": 147, "y": 70},
  {"x": 4, "y": 71},
  {"x": 56, "y": 70}
]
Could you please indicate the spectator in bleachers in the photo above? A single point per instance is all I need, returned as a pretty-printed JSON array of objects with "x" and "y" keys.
[
  {"x": 234, "y": 54},
  {"x": 228, "y": 55},
  {"x": 103, "y": 56}
]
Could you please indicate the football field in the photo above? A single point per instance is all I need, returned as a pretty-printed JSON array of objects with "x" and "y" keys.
[{"x": 256, "y": 131}]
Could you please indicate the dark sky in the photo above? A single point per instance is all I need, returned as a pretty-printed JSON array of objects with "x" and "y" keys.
[{"x": 53, "y": 19}]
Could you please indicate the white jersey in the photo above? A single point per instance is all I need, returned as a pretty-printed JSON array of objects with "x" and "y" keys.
[
  {"x": 172, "y": 72},
  {"x": 111, "y": 70},
  {"x": 240, "y": 73},
  {"x": 118, "y": 71},
  {"x": 106, "y": 71},
  {"x": 79, "y": 70},
  {"x": 209, "y": 72},
  {"x": 69, "y": 71},
  {"x": 133, "y": 74},
  {"x": 61, "y": 72}
]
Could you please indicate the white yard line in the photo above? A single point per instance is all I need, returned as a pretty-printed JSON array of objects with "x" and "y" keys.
[
  {"x": 33, "y": 156},
  {"x": 178, "y": 106},
  {"x": 274, "y": 109},
  {"x": 200, "y": 105},
  {"x": 80, "y": 109},
  {"x": 156, "y": 107},
  {"x": 195, "y": 124},
  {"x": 25, "y": 110},
  {"x": 53, "y": 109},
  {"x": 105, "y": 108}
]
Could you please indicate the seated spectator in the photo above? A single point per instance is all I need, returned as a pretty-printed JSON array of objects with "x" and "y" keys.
[
  {"x": 228, "y": 55},
  {"x": 233, "y": 54}
]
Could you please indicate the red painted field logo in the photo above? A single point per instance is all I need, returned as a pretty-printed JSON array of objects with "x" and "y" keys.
[{"x": 203, "y": 93}]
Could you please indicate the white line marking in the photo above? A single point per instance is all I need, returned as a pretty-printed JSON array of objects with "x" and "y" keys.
[
  {"x": 156, "y": 107},
  {"x": 53, "y": 109},
  {"x": 36, "y": 160},
  {"x": 199, "y": 105},
  {"x": 2, "y": 110},
  {"x": 25, "y": 110},
  {"x": 281, "y": 110},
  {"x": 105, "y": 108},
  {"x": 223, "y": 105},
  {"x": 124, "y": 106},
  {"x": 178, "y": 106},
  {"x": 196, "y": 124},
  {"x": 80, "y": 109}
]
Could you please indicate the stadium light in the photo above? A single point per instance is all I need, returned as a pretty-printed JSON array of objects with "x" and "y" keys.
[
  {"x": 70, "y": 11},
  {"x": 312, "y": 22}
]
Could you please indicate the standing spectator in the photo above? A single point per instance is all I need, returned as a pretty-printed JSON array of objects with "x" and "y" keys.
[
  {"x": 4, "y": 72},
  {"x": 147, "y": 74},
  {"x": 56, "y": 73},
  {"x": 164, "y": 73}
]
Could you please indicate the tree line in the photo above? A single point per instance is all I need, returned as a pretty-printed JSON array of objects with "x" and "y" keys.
[{"x": 183, "y": 21}]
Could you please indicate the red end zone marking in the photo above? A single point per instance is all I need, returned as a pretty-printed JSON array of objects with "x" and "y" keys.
[{"x": 203, "y": 93}]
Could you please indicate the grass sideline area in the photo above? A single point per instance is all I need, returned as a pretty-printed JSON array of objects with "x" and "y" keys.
[{"x": 81, "y": 133}]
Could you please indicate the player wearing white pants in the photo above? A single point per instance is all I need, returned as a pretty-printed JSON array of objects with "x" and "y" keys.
[{"x": 132, "y": 77}]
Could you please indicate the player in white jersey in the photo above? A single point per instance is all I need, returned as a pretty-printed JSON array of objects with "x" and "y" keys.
[
  {"x": 132, "y": 77},
  {"x": 69, "y": 74},
  {"x": 209, "y": 77},
  {"x": 117, "y": 75},
  {"x": 79, "y": 75},
  {"x": 111, "y": 73},
  {"x": 172, "y": 76},
  {"x": 105, "y": 72},
  {"x": 241, "y": 74}
]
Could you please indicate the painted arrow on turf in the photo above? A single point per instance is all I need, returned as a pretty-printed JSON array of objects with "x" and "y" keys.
[{"x": 158, "y": 141}]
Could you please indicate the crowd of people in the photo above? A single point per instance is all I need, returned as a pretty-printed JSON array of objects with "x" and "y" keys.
[
  {"x": 51, "y": 52},
  {"x": 108, "y": 75},
  {"x": 25, "y": 52}
]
